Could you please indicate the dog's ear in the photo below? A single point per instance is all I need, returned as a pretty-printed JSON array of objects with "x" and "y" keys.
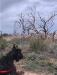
[{"x": 14, "y": 46}]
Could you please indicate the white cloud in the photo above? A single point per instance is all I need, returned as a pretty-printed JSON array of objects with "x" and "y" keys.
[{"x": 4, "y": 4}]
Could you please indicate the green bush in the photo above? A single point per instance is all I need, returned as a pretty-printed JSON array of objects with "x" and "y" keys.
[
  {"x": 38, "y": 45},
  {"x": 3, "y": 44}
]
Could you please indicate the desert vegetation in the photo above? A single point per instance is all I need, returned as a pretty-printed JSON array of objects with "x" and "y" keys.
[
  {"x": 39, "y": 55},
  {"x": 38, "y": 44}
]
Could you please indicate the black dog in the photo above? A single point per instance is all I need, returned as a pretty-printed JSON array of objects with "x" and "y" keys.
[{"x": 7, "y": 62}]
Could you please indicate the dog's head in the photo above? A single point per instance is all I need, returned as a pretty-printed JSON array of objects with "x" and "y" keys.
[{"x": 17, "y": 54}]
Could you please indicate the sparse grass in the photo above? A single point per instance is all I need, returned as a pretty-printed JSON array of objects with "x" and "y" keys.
[
  {"x": 38, "y": 45},
  {"x": 39, "y": 64},
  {"x": 3, "y": 43},
  {"x": 38, "y": 58}
]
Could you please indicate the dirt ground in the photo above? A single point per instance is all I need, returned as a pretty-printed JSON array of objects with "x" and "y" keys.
[
  {"x": 32, "y": 73},
  {"x": 22, "y": 71}
]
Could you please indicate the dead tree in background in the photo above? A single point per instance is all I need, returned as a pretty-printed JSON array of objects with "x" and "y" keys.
[
  {"x": 21, "y": 23},
  {"x": 46, "y": 26},
  {"x": 27, "y": 22},
  {"x": 32, "y": 24},
  {"x": 32, "y": 20}
]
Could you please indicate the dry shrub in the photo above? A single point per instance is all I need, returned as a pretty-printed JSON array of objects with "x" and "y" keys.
[{"x": 38, "y": 45}]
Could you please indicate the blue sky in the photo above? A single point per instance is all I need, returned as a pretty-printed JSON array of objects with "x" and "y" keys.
[{"x": 9, "y": 9}]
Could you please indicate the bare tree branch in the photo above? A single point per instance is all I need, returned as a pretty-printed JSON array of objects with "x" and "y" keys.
[{"x": 44, "y": 26}]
